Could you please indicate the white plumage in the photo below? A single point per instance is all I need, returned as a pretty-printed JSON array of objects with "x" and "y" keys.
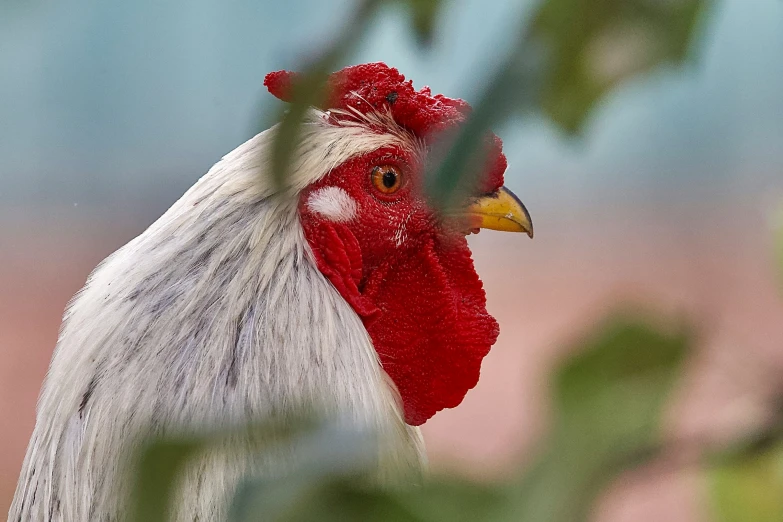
[
  {"x": 333, "y": 203},
  {"x": 206, "y": 319}
]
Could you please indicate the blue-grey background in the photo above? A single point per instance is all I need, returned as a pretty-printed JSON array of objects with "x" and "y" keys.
[{"x": 116, "y": 101}]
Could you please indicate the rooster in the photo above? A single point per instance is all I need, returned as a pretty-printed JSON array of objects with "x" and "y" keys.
[{"x": 341, "y": 289}]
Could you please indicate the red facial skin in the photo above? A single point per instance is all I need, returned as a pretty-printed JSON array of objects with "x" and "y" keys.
[
  {"x": 416, "y": 290},
  {"x": 414, "y": 287}
]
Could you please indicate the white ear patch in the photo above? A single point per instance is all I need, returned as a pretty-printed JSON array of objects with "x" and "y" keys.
[{"x": 332, "y": 203}]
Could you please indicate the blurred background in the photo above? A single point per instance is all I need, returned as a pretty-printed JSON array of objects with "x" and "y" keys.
[{"x": 109, "y": 111}]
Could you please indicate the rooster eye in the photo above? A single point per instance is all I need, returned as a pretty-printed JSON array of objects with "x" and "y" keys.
[{"x": 387, "y": 179}]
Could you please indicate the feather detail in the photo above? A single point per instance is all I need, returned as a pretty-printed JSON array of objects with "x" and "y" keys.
[{"x": 206, "y": 319}]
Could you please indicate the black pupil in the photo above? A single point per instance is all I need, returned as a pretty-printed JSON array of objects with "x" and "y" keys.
[{"x": 389, "y": 179}]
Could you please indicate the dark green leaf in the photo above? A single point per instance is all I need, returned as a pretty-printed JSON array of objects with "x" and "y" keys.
[
  {"x": 358, "y": 498},
  {"x": 593, "y": 45},
  {"x": 453, "y": 500},
  {"x": 423, "y": 18},
  {"x": 346, "y": 501},
  {"x": 156, "y": 479}
]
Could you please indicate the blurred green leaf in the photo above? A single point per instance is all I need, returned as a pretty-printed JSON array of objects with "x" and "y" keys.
[
  {"x": 454, "y": 500},
  {"x": 358, "y": 497},
  {"x": 621, "y": 377},
  {"x": 341, "y": 500},
  {"x": 573, "y": 53},
  {"x": 161, "y": 460},
  {"x": 344, "y": 501},
  {"x": 514, "y": 84},
  {"x": 423, "y": 18},
  {"x": 593, "y": 45},
  {"x": 310, "y": 88},
  {"x": 155, "y": 483},
  {"x": 749, "y": 487},
  {"x": 331, "y": 456},
  {"x": 608, "y": 400}
]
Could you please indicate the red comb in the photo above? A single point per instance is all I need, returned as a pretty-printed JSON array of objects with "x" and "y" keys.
[{"x": 377, "y": 87}]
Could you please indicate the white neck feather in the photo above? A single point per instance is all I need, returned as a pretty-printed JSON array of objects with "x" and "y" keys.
[{"x": 215, "y": 314}]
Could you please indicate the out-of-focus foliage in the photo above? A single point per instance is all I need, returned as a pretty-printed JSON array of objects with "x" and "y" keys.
[
  {"x": 514, "y": 85},
  {"x": 593, "y": 45},
  {"x": 158, "y": 468},
  {"x": 310, "y": 90},
  {"x": 748, "y": 487},
  {"x": 571, "y": 55},
  {"x": 746, "y": 484},
  {"x": 608, "y": 400},
  {"x": 162, "y": 460},
  {"x": 423, "y": 18},
  {"x": 353, "y": 498}
]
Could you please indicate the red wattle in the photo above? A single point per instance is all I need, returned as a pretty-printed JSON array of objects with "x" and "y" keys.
[
  {"x": 433, "y": 330},
  {"x": 339, "y": 258},
  {"x": 425, "y": 311}
]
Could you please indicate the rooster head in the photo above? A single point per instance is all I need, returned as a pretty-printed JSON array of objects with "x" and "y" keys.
[{"x": 401, "y": 263}]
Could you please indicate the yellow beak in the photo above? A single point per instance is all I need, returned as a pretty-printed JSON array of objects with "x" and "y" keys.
[{"x": 500, "y": 210}]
